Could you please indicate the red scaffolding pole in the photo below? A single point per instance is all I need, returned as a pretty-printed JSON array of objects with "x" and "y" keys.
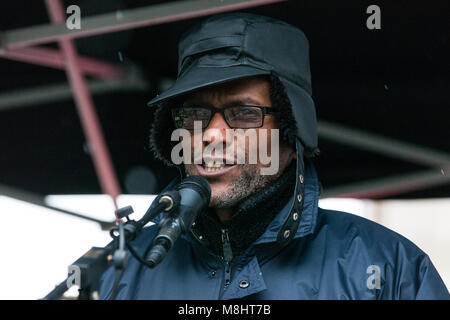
[
  {"x": 97, "y": 146},
  {"x": 55, "y": 59}
]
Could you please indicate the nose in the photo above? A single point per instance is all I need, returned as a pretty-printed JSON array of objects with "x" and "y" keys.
[
  {"x": 216, "y": 130},
  {"x": 217, "y": 122}
]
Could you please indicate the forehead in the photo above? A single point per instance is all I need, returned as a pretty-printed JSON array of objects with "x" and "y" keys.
[{"x": 251, "y": 90}]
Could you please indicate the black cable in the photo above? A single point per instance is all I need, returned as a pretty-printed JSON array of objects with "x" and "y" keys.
[
  {"x": 138, "y": 257},
  {"x": 152, "y": 213}
]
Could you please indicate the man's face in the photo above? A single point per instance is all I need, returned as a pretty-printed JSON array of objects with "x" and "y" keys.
[{"x": 231, "y": 183}]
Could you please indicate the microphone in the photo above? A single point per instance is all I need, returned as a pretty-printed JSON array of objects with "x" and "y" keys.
[{"x": 195, "y": 195}]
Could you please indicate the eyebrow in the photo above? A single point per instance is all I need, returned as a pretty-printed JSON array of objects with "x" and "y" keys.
[{"x": 234, "y": 102}]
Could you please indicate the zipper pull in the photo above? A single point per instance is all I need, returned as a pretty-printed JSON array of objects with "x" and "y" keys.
[{"x": 227, "y": 252}]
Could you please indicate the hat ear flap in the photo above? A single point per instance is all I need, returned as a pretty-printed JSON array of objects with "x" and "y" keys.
[
  {"x": 161, "y": 131},
  {"x": 291, "y": 129},
  {"x": 281, "y": 103}
]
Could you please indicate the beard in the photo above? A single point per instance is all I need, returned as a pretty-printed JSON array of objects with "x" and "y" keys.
[{"x": 250, "y": 181}]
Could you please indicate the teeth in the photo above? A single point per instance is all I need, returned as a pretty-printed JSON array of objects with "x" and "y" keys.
[
  {"x": 209, "y": 164},
  {"x": 212, "y": 166}
]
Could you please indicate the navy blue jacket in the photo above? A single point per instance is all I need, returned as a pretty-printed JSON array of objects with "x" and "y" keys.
[{"x": 333, "y": 255}]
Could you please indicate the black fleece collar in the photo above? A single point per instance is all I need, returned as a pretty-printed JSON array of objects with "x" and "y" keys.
[{"x": 251, "y": 218}]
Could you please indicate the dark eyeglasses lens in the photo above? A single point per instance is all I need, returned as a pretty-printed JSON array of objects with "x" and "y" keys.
[
  {"x": 185, "y": 117},
  {"x": 244, "y": 117}
]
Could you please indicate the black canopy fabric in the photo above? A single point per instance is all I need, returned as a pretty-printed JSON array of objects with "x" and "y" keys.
[{"x": 392, "y": 84}]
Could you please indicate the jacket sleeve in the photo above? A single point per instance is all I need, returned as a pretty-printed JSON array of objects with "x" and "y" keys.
[{"x": 431, "y": 286}]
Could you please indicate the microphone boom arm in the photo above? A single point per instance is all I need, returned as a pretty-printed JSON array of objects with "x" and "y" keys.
[{"x": 90, "y": 266}]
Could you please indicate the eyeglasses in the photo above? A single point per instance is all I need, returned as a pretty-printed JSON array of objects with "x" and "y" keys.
[{"x": 239, "y": 117}]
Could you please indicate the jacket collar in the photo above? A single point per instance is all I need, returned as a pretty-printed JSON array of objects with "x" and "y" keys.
[{"x": 308, "y": 216}]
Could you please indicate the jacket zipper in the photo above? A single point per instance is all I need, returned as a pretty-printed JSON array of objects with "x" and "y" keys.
[{"x": 227, "y": 256}]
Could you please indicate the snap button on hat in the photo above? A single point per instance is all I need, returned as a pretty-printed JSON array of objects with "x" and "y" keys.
[
  {"x": 299, "y": 198},
  {"x": 244, "y": 284},
  {"x": 295, "y": 216},
  {"x": 286, "y": 233},
  {"x": 301, "y": 178}
]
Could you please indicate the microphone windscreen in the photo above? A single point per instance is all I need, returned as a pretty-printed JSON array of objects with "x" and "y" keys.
[{"x": 199, "y": 184}]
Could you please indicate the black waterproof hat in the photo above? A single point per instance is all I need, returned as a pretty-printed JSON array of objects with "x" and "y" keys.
[{"x": 236, "y": 45}]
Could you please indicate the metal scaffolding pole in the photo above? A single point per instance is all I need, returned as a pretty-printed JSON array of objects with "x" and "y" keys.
[
  {"x": 90, "y": 123},
  {"x": 124, "y": 20},
  {"x": 390, "y": 186},
  {"x": 13, "y": 45},
  {"x": 55, "y": 59},
  {"x": 382, "y": 145},
  {"x": 50, "y": 93},
  {"x": 38, "y": 200}
]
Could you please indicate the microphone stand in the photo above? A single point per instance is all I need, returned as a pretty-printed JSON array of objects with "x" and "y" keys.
[{"x": 89, "y": 268}]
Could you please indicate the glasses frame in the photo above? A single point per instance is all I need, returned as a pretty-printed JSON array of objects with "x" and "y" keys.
[{"x": 264, "y": 110}]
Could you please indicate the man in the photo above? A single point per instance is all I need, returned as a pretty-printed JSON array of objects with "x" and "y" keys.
[{"x": 263, "y": 236}]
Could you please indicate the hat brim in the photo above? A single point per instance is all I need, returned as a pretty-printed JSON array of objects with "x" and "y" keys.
[{"x": 198, "y": 77}]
